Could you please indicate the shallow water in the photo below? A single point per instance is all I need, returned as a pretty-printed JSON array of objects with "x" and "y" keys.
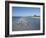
[{"x": 25, "y": 23}]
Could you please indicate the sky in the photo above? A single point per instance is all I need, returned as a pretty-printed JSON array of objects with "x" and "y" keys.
[{"x": 25, "y": 11}]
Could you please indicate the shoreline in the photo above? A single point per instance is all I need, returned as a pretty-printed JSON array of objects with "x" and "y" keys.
[{"x": 35, "y": 17}]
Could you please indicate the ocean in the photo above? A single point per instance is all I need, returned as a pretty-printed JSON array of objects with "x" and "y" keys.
[{"x": 25, "y": 23}]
